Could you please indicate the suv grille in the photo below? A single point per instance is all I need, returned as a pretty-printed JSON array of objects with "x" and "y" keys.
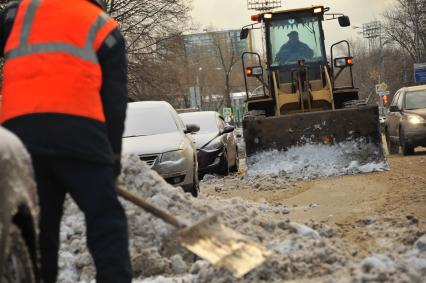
[{"x": 149, "y": 159}]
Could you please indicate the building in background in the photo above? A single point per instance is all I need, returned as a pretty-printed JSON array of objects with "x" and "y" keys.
[{"x": 206, "y": 42}]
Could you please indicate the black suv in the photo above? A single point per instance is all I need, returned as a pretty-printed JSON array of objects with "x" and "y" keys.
[
  {"x": 406, "y": 120},
  {"x": 18, "y": 226}
]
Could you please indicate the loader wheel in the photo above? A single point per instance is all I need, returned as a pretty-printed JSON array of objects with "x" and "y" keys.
[
  {"x": 18, "y": 265},
  {"x": 407, "y": 149},
  {"x": 392, "y": 146}
]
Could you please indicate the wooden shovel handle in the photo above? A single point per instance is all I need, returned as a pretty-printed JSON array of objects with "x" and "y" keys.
[{"x": 160, "y": 213}]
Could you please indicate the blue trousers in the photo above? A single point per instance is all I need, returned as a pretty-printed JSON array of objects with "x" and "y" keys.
[{"x": 92, "y": 186}]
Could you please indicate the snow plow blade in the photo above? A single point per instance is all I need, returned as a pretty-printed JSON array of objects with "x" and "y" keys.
[{"x": 359, "y": 124}]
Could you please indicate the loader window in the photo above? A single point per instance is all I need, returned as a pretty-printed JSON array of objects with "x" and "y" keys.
[{"x": 295, "y": 38}]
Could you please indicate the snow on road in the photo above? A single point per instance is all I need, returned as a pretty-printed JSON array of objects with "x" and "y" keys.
[
  {"x": 313, "y": 161},
  {"x": 299, "y": 250}
]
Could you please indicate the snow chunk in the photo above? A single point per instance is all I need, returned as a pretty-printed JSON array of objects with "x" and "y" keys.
[
  {"x": 377, "y": 263},
  {"x": 305, "y": 231}
]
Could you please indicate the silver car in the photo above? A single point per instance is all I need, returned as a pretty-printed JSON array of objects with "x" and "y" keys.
[{"x": 155, "y": 132}]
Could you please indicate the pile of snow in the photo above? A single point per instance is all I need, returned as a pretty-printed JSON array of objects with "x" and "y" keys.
[
  {"x": 408, "y": 267},
  {"x": 299, "y": 251},
  {"x": 313, "y": 161},
  {"x": 156, "y": 252}
]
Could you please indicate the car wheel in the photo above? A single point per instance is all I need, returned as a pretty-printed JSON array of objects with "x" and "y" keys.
[
  {"x": 236, "y": 167},
  {"x": 195, "y": 185},
  {"x": 392, "y": 146},
  {"x": 201, "y": 176},
  {"x": 18, "y": 265},
  {"x": 407, "y": 149},
  {"x": 223, "y": 167}
]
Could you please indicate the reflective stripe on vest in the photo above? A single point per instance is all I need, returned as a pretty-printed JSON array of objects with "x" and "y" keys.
[
  {"x": 52, "y": 66},
  {"x": 25, "y": 48}
]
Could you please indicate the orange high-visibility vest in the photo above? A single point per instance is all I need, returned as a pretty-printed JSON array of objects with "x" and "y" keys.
[{"x": 51, "y": 64}]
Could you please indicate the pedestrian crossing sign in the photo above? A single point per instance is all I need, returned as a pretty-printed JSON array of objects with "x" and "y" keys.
[
  {"x": 227, "y": 111},
  {"x": 381, "y": 88}
]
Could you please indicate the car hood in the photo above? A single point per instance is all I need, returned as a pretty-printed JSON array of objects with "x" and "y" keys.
[
  {"x": 152, "y": 144},
  {"x": 420, "y": 112},
  {"x": 203, "y": 138}
]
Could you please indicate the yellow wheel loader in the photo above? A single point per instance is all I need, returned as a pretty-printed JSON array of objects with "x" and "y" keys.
[{"x": 298, "y": 99}]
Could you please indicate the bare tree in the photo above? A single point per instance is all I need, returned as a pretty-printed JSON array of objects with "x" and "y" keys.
[
  {"x": 406, "y": 26},
  {"x": 146, "y": 23},
  {"x": 149, "y": 27},
  {"x": 397, "y": 68},
  {"x": 228, "y": 56}
]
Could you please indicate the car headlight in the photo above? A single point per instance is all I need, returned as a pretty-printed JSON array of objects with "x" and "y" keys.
[
  {"x": 415, "y": 119},
  {"x": 172, "y": 156}
]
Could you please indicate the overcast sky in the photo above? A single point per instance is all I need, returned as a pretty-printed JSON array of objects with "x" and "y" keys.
[{"x": 233, "y": 14}]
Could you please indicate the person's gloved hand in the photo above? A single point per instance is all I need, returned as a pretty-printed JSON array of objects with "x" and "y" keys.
[{"x": 117, "y": 165}]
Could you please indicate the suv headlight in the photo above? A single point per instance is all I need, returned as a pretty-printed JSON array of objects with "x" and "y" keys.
[
  {"x": 415, "y": 119},
  {"x": 172, "y": 156}
]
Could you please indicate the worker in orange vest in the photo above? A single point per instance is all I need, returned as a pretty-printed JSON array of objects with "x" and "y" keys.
[{"x": 65, "y": 96}]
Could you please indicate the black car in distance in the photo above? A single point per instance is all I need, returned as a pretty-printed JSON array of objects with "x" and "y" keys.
[{"x": 217, "y": 149}]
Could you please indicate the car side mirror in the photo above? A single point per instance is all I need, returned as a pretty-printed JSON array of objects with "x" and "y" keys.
[
  {"x": 228, "y": 129},
  {"x": 344, "y": 21},
  {"x": 191, "y": 129},
  {"x": 393, "y": 108},
  {"x": 244, "y": 33}
]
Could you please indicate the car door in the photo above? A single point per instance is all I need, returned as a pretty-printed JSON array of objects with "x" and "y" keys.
[
  {"x": 391, "y": 120},
  {"x": 399, "y": 114},
  {"x": 229, "y": 142}
]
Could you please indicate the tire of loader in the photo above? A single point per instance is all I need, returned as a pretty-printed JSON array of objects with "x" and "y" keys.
[
  {"x": 407, "y": 149},
  {"x": 18, "y": 265},
  {"x": 393, "y": 147}
]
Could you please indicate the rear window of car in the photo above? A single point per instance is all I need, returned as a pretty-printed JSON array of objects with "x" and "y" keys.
[
  {"x": 148, "y": 121},
  {"x": 206, "y": 122},
  {"x": 415, "y": 99}
]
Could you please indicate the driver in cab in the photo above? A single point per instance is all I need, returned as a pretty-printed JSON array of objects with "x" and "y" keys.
[{"x": 293, "y": 50}]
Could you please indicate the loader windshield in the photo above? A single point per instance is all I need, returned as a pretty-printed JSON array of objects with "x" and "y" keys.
[{"x": 295, "y": 37}]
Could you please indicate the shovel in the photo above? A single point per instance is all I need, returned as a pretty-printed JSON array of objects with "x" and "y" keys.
[{"x": 210, "y": 239}]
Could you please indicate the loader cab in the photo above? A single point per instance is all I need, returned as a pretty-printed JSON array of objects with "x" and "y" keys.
[
  {"x": 296, "y": 74},
  {"x": 291, "y": 37}
]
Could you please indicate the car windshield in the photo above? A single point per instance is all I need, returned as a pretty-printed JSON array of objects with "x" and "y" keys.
[
  {"x": 295, "y": 38},
  {"x": 148, "y": 121},
  {"x": 207, "y": 123},
  {"x": 415, "y": 99}
]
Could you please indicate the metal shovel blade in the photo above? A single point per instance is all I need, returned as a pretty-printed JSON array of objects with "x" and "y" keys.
[
  {"x": 222, "y": 246},
  {"x": 209, "y": 239}
]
